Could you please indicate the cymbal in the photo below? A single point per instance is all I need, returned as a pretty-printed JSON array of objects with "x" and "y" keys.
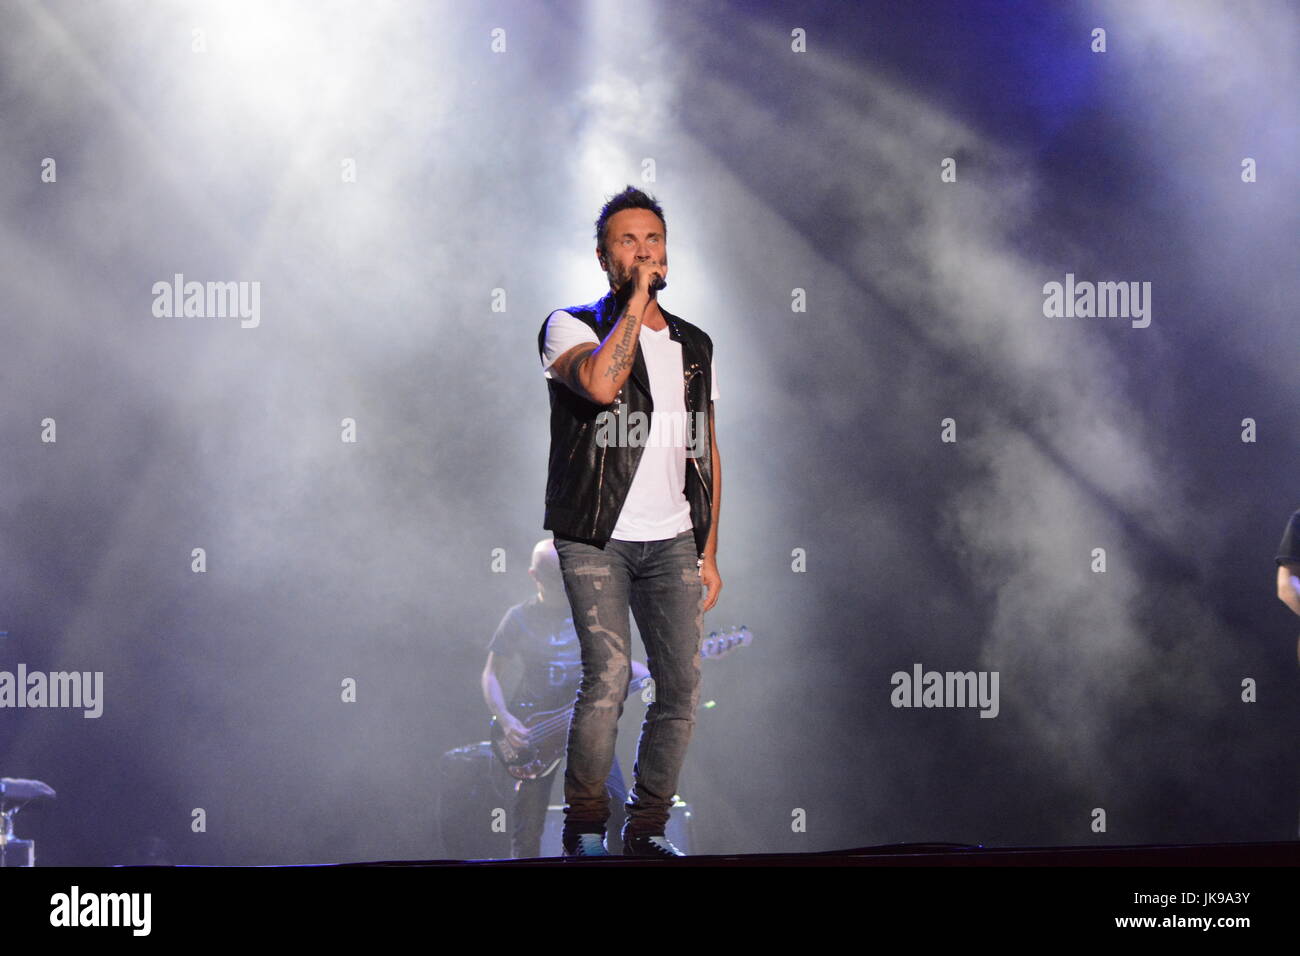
[{"x": 17, "y": 790}]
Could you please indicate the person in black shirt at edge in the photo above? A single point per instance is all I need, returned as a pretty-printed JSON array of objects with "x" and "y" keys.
[
  {"x": 1288, "y": 568},
  {"x": 1288, "y": 571},
  {"x": 539, "y": 633}
]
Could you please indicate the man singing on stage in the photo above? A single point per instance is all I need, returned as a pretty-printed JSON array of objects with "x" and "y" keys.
[{"x": 635, "y": 517}]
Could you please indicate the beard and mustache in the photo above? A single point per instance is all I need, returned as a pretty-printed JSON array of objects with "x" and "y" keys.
[{"x": 622, "y": 278}]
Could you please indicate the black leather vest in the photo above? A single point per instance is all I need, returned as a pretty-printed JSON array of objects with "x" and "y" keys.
[{"x": 587, "y": 481}]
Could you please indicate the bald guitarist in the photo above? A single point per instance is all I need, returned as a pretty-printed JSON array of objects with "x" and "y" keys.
[{"x": 539, "y": 634}]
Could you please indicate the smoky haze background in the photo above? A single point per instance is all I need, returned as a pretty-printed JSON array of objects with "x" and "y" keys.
[{"x": 479, "y": 177}]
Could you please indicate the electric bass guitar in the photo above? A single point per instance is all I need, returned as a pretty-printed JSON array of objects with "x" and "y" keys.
[{"x": 548, "y": 730}]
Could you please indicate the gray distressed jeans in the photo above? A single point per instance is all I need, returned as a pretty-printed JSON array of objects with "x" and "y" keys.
[{"x": 659, "y": 581}]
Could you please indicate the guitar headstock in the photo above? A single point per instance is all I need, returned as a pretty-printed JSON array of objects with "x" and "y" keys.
[{"x": 718, "y": 645}]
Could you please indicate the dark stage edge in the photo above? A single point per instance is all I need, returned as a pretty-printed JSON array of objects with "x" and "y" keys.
[{"x": 1281, "y": 854}]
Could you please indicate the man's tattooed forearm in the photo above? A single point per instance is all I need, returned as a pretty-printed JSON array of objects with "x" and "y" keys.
[{"x": 623, "y": 350}]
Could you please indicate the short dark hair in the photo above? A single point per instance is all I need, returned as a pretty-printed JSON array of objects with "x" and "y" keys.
[{"x": 630, "y": 198}]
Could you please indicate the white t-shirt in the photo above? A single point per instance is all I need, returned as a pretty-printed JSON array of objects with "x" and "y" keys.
[{"x": 656, "y": 507}]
